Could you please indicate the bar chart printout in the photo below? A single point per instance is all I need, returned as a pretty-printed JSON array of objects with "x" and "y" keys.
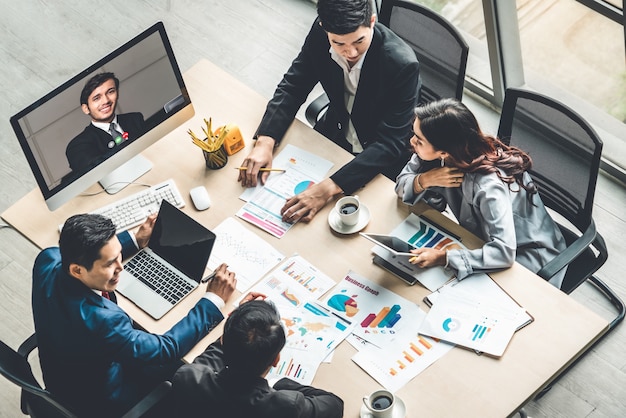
[
  {"x": 395, "y": 365},
  {"x": 378, "y": 313},
  {"x": 293, "y": 282}
]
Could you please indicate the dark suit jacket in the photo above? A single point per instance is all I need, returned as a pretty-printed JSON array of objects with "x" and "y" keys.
[
  {"x": 205, "y": 388},
  {"x": 93, "y": 143},
  {"x": 382, "y": 113},
  {"x": 91, "y": 355}
]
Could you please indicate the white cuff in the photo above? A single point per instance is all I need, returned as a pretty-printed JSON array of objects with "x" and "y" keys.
[
  {"x": 132, "y": 237},
  {"x": 217, "y": 301}
]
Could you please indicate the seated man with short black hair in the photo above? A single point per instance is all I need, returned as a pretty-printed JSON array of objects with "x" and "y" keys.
[
  {"x": 92, "y": 356},
  {"x": 228, "y": 379}
]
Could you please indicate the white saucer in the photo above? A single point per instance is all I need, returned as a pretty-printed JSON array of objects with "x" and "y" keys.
[
  {"x": 399, "y": 411},
  {"x": 337, "y": 226}
]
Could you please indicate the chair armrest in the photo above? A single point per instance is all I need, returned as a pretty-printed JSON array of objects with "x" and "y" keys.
[
  {"x": 27, "y": 346},
  {"x": 570, "y": 253},
  {"x": 314, "y": 109},
  {"x": 149, "y": 400}
]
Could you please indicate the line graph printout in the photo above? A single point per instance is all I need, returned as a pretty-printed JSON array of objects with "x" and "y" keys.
[
  {"x": 291, "y": 156},
  {"x": 249, "y": 255},
  {"x": 396, "y": 364}
]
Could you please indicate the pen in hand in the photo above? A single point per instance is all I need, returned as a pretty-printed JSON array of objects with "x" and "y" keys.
[{"x": 209, "y": 277}]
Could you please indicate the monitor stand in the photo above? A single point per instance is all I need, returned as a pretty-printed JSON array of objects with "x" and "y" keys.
[{"x": 124, "y": 175}]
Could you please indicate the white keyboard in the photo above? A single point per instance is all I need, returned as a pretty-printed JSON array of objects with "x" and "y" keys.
[{"x": 133, "y": 210}]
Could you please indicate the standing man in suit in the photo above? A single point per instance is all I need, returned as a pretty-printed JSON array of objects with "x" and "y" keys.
[
  {"x": 91, "y": 355},
  {"x": 228, "y": 379},
  {"x": 371, "y": 78},
  {"x": 107, "y": 130}
]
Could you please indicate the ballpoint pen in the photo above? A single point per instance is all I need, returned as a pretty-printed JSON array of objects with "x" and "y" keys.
[
  {"x": 280, "y": 170},
  {"x": 209, "y": 277}
]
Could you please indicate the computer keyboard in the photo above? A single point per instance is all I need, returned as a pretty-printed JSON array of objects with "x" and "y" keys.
[
  {"x": 158, "y": 277},
  {"x": 133, "y": 210}
]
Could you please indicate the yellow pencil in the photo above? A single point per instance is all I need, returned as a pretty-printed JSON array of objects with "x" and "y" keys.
[{"x": 280, "y": 170}]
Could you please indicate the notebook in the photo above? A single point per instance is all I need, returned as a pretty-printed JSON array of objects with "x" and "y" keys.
[{"x": 171, "y": 266}]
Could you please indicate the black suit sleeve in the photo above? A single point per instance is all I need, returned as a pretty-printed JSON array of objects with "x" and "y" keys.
[
  {"x": 293, "y": 89},
  {"x": 312, "y": 402}
]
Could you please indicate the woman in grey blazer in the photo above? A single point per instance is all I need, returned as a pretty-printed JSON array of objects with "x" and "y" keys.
[{"x": 487, "y": 188}]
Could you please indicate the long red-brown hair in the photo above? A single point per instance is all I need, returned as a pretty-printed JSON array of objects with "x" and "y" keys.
[{"x": 452, "y": 128}]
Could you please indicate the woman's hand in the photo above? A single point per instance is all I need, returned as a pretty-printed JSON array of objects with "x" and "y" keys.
[
  {"x": 428, "y": 257},
  {"x": 442, "y": 177}
]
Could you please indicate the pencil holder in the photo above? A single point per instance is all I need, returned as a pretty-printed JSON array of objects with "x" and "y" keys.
[{"x": 215, "y": 159}]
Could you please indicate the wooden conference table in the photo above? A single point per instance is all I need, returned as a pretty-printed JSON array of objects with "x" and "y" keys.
[{"x": 459, "y": 384}]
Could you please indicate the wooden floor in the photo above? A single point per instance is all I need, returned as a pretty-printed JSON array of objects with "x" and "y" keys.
[{"x": 44, "y": 43}]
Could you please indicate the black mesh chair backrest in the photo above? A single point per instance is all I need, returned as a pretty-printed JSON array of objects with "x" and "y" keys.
[
  {"x": 438, "y": 45},
  {"x": 36, "y": 401},
  {"x": 565, "y": 151}
]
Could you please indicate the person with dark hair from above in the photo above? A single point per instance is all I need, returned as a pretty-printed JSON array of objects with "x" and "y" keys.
[
  {"x": 92, "y": 356},
  {"x": 107, "y": 130},
  {"x": 228, "y": 379},
  {"x": 488, "y": 189},
  {"x": 371, "y": 78}
]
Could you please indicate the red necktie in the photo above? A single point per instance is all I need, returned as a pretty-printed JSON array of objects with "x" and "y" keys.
[{"x": 106, "y": 295}]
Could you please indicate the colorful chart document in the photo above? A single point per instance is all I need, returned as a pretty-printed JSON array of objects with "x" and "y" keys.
[
  {"x": 396, "y": 364},
  {"x": 263, "y": 208},
  {"x": 421, "y": 233},
  {"x": 480, "y": 324},
  {"x": 378, "y": 314},
  {"x": 247, "y": 253},
  {"x": 294, "y": 282},
  {"x": 312, "y": 335},
  {"x": 291, "y": 156}
]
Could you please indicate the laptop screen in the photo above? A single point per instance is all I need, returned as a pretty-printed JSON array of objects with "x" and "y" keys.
[{"x": 181, "y": 241}]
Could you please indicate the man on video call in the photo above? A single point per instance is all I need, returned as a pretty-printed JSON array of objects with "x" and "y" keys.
[
  {"x": 107, "y": 130},
  {"x": 93, "y": 357},
  {"x": 371, "y": 78}
]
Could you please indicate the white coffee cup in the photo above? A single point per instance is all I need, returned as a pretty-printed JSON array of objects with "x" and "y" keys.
[
  {"x": 349, "y": 209},
  {"x": 380, "y": 404}
]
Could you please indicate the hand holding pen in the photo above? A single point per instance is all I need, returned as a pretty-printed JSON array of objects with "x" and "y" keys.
[{"x": 222, "y": 282}]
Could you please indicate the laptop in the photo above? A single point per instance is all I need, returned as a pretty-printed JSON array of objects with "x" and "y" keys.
[{"x": 172, "y": 264}]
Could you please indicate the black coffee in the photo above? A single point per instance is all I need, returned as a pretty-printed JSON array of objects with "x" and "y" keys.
[
  {"x": 381, "y": 402},
  {"x": 348, "y": 208}
]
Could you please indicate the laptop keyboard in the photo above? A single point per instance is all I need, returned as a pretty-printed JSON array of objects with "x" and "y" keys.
[{"x": 163, "y": 280}]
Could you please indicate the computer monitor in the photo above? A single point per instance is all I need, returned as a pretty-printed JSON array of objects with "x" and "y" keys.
[{"x": 151, "y": 94}]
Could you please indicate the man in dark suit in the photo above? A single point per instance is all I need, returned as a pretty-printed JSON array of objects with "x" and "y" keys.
[
  {"x": 107, "y": 130},
  {"x": 91, "y": 355},
  {"x": 228, "y": 379},
  {"x": 371, "y": 78}
]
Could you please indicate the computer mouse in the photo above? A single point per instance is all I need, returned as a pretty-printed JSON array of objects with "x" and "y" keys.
[{"x": 200, "y": 198}]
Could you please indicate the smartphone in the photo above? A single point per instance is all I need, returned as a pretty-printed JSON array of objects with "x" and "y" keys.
[{"x": 393, "y": 244}]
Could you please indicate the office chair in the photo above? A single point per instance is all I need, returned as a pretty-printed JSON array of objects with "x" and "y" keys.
[
  {"x": 439, "y": 46},
  {"x": 38, "y": 402},
  {"x": 566, "y": 155}
]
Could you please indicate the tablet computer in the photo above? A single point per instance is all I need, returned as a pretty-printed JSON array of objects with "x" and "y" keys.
[{"x": 393, "y": 244}]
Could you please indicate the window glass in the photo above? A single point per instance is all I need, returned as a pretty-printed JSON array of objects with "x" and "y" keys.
[
  {"x": 468, "y": 17},
  {"x": 585, "y": 55}
]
